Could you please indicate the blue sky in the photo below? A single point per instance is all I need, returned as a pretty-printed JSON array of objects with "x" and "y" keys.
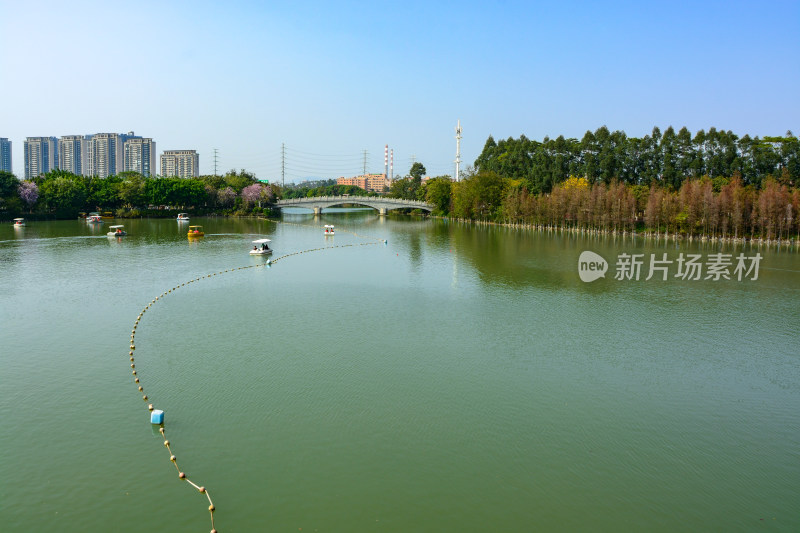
[{"x": 332, "y": 79}]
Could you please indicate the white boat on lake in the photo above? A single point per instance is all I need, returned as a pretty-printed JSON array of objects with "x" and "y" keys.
[
  {"x": 116, "y": 231},
  {"x": 261, "y": 247},
  {"x": 328, "y": 229},
  {"x": 19, "y": 222},
  {"x": 183, "y": 217}
]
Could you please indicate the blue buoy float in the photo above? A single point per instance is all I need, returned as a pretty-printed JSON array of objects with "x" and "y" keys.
[{"x": 157, "y": 416}]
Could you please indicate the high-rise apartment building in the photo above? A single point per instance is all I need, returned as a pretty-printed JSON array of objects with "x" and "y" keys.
[
  {"x": 140, "y": 155},
  {"x": 101, "y": 154},
  {"x": 5, "y": 155},
  {"x": 41, "y": 156},
  {"x": 104, "y": 155},
  {"x": 108, "y": 154},
  {"x": 72, "y": 154},
  {"x": 180, "y": 163}
]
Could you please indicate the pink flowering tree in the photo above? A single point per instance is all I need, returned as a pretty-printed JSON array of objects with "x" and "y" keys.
[
  {"x": 252, "y": 194},
  {"x": 28, "y": 192}
]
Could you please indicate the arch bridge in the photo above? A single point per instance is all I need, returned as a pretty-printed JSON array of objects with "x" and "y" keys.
[{"x": 383, "y": 205}]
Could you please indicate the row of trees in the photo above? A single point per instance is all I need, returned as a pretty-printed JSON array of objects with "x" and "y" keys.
[
  {"x": 724, "y": 207},
  {"x": 665, "y": 159},
  {"x": 694, "y": 209},
  {"x": 713, "y": 183},
  {"x": 63, "y": 194}
]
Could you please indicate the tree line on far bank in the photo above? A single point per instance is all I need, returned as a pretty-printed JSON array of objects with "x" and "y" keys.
[
  {"x": 713, "y": 184},
  {"x": 665, "y": 160},
  {"x": 62, "y": 194}
]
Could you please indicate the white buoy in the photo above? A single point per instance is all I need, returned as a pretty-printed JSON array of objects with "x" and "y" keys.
[{"x": 157, "y": 416}]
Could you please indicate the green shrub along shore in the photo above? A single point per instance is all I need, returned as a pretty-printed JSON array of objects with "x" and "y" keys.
[{"x": 710, "y": 185}]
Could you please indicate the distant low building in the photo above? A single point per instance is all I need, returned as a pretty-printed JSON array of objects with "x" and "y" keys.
[
  {"x": 368, "y": 182},
  {"x": 180, "y": 163}
]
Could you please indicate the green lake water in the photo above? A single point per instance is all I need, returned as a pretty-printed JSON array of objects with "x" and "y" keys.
[{"x": 456, "y": 378}]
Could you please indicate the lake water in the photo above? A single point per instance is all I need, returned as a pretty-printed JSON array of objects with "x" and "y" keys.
[{"x": 456, "y": 378}]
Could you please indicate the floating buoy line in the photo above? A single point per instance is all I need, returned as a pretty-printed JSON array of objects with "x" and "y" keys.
[{"x": 156, "y": 415}]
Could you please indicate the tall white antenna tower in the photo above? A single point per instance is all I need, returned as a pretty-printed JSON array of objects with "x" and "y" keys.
[{"x": 458, "y": 151}]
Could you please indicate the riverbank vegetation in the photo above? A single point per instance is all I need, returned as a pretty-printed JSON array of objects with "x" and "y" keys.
[
  {"x": 61, "y": 194},
  {"x": 712, "y": 184}
]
